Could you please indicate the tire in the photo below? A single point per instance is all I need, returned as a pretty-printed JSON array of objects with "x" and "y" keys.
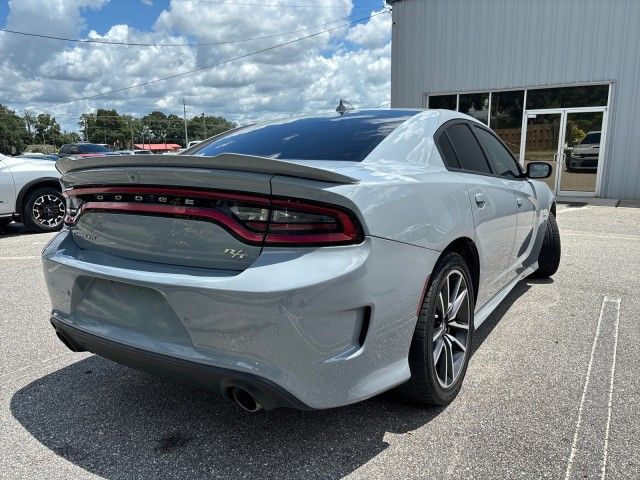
[
  {"x": 549, "y": 256},
  {"x": 43, "y": 210},
  {"x": 426, "y": 364}
]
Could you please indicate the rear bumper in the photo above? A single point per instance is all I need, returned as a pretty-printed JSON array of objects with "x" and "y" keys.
[
  {"x": 268, "y": 394},
  {"x": 326, "y": 326}
]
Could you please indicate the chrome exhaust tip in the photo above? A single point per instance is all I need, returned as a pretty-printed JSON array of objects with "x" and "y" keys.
[{"x": 245, "y": 400}]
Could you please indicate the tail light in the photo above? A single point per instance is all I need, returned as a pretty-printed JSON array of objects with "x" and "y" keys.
[{"x": 254, "y": 219}]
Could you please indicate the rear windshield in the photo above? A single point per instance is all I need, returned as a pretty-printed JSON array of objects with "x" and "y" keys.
[
  {"x": 592, "y": 138},
  {"x": 90, "y": 148},
  {"x": 349, "y": 137}
]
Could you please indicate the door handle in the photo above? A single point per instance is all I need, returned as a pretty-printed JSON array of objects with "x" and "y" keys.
[
  {"x": 519, "y": 203},
  {"x": 481, "y": 200}
]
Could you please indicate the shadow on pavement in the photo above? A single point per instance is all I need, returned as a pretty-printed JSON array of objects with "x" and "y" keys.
[
  {"x": 14, "y": 229},
  {"x": 119, "y": 423}
]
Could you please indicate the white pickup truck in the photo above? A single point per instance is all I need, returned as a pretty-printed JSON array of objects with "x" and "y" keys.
[{"x": 30, "y": 192}]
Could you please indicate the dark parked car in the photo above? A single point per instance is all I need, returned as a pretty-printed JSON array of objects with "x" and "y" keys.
[
  {"x": 584, "y": 156},
  {"x": 84, "y": 150}
]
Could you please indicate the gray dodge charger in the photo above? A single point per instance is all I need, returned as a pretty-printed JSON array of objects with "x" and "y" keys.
[{"x": 310, "y": 263}]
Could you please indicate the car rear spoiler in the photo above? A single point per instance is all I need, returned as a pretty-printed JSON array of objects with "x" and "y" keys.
[{"x": 224, "y": 161}]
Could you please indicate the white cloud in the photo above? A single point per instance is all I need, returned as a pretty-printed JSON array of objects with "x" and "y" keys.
[
  {"x": 60, "y": 18},
  {"x": 309, "y": 75},
  {"x": 374, "y": 34}
]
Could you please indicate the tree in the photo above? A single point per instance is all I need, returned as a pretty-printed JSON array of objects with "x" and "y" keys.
[
  {"x": 87, "y": 122},
  {"x": 205, "y": 126},
  {"x": 133, "y": 129},
  {"x": 30, "y": 120},
  {"x": 107, "y": 126},
  {"x": 175, "y": 129},
  {"x": 69, "y": 137},
  {"x": 13, "y": 132},
  {"x": 156, "y": 123},
  {"x": 47, "y": 129},
  {"x": 110, "y": 128}
]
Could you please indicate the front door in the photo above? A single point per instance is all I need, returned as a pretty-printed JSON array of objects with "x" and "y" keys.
[{"x": 569, "y": 140}]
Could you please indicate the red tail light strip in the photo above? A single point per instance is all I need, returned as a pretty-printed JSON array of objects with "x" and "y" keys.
[{"x": 273, "y": 233}]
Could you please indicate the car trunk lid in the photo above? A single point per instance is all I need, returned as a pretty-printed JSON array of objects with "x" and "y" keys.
[{"x": 179, "y": 210}]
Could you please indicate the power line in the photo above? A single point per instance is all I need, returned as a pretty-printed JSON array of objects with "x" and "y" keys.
[
  {"x": 143, "y": 44},
  {"x": 206, "y": 67},
  {"x": 281, "y": 5}
]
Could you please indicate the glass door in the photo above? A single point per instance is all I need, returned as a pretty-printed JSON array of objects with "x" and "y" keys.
[
  {"x": 581, "y": 152},
  {"x": 542, "y": 141},
  {"x": 570, "y": 141}
]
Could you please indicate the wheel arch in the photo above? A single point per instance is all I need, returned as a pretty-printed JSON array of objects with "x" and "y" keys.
[
  {"x": 467, "y": 249},
  {"x": 32, "y": 185}
]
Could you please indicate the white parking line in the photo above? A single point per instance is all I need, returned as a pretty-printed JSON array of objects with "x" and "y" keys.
[
  {"x": 588, "y": 447},
  {"x": 610, "y": 402},
  {"x": 584, "y": 393},
  {"x": 603, "y": 236},
  {"x": 26, "y": 257},
  {"x": 572, "y": 209}
]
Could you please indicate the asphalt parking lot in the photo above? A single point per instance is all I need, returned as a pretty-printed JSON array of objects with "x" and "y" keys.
[{"x": 552, "y": 390}]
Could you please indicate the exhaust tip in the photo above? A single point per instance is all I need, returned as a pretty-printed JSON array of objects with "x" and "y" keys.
[{"x": 245, "y": 400}]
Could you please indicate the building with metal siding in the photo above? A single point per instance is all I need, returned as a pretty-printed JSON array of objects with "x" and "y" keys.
[{"x": 445, "y": 49}]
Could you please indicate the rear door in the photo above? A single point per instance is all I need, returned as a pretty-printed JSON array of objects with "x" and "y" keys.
[{"x": 493, "y": 207}]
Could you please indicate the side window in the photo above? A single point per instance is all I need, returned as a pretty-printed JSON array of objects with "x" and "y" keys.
[
  {"x": 448, "y": 155},
  {"x": 64, "y": 149},
  {"x": 503, "y": 162},
  {"x": 467, "y": 148}
]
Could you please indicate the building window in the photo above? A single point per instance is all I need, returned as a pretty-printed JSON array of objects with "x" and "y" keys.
[
  {"x": 475, "y": 105},
  {"x": 506, "y": 117},
  {"x": 443, "y": 101},
  {"x": 568, "y": 97}
]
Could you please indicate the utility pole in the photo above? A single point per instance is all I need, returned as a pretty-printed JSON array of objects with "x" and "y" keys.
[
  {"x": 184, "y": 112},
  {"x": 131, "y": 129}
]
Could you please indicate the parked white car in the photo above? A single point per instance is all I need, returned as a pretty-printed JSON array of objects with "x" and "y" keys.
[{"x": 30, "y": 192}]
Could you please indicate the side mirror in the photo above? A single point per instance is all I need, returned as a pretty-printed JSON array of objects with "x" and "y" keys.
[{"x": 538, "y": 170}]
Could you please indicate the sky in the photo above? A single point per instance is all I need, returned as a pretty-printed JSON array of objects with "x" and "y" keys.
[{"x": 351, "y": 61}]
